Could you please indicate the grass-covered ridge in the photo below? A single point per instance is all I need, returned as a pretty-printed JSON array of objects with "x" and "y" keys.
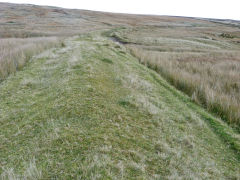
[{"x": 90, "y": 110}]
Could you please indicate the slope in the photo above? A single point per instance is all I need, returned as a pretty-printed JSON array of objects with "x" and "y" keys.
[
  {"x": 91, "y": 111},
  {"x": 26, "y": 20}
]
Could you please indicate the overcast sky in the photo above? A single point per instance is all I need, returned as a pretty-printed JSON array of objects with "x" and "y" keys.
[{"x": 222, "y": 9}]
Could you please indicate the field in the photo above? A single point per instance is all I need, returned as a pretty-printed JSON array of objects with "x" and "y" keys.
[{"x": 117, "y": 96}]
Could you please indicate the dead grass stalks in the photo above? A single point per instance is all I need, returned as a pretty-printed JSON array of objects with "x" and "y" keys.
[
  {"x": 213, "y": 84},
  {"x": 15, "y": 52}
]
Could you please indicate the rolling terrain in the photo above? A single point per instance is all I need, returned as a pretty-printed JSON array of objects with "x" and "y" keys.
[{"x": 102, "y": 102}]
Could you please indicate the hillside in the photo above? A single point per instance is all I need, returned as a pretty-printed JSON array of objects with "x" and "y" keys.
[
  {"x": 18, "y": 20},
  {"x": 97, "y": 107}
]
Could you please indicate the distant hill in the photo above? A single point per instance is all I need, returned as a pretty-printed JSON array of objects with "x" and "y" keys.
[{"x": 24, "y": 20}]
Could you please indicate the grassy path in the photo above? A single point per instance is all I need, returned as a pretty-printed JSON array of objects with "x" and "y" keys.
[{"x": 90, "y": 111}]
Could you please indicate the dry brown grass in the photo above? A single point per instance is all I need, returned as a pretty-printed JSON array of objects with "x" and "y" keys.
[
  {"x": 15, "y": 52},
  {"x": 207, "y": 78},
  {"x": 195, "y": 58}
]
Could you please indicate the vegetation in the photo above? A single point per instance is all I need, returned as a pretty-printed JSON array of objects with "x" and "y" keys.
[
  {"x": 99, "y": 100},
  {"x": 73, "y": 114},
  {"x": 15, "y": 52},
  {"x": 206, "y": 69},
  {"x": 215, "y": 85},
  {"x": 225, "y": 35}
]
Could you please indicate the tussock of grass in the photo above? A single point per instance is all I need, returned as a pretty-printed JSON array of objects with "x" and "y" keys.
[{"x": 15, "y": 52}]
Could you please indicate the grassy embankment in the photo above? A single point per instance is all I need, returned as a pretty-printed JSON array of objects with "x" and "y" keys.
[
  {"x": 90, "y": 110},
  {"x": 203, "y": 65}
]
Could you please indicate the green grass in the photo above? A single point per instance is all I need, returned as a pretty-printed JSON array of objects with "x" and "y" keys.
[
  {"x": 107, "y": 60},
  {"x": 89, "y": 111}
]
